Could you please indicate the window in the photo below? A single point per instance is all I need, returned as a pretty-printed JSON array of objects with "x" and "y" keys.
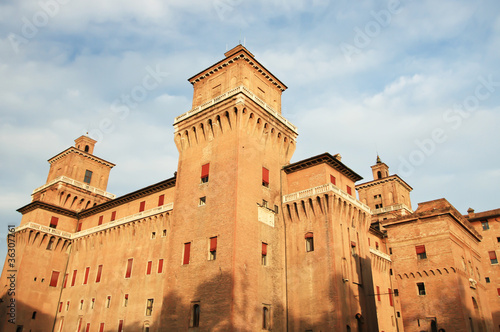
[
  {"x": 88, "y": 176},
  {"x": 487, "y": 279},
  {"x": 100, "y": 220},
  {"x": 276, "y": 209},
  {"x": 51, "y": 243},
  {"x": 65, "y": 280},
  {"x": 264, "y": 253},
  {"x": 86, "y": 278},
  {"x": 33, "y": 315},
  {"x": 67, "y": 306},
  {"x": 421, "y": 252},
  {"x": 142, "y": 206},
  {"x": 390, "y": 297},
  {"x": 79, "y": 227},
  {"x": 74, "y": 278},
  {"x": 87, "y": 329},
  {"x": 309, "y": 242},
  {"x": 265, "y": 177},
  {"x": 149, "y": 307},
  {"x": 266, "y": 318},
  {"x": 120, "y": 325},
  {"x": 92, "y": 304},
  {"x": 195, "y": 322},
  {"x": 376, "y": 245},
  {"x": 101, "y": 327},
  {"x": 378, "y": 293},
  {"x": 213, "y": 248},
  {"x": 113, "y": 215},
  {"x": 54, "y": 278},
  {"x": 53, "y": 222},
  {"x": 125, "y": 300},
  {"x": 148, "y": 269},
  {"x": 99, "y": 272},
  {"x": 129, "y": 267},
  {"x": 203, "y": 201},
  {"x": 264, "y": 203},
  {"x": 498, "y": 291},
  {"x": 493, "y": 257},
  {"x": 161, "y": 200},
  {"x": 349, "y": 190},
  {"x": 160, "y": 266},
  {"x": 390, "y": 251},
  {"x": 164, "y": 233},
  {"x": 333, "y": 180},
  {"x": 390, "y": 272},
  {"x": 153, "y": 235},
  {"x": 396, "y": 292},
  {"x": 204, "y": 173},
  {"x": 378, "y": 206},
  {"x": 498, "y": 239},
  {"x": 485, "y": 225},
  {"x": 108, "y": 301},
  {"x": 421, "y": 288},
  {"x": 398, "y": 314},
  {"x": 187, "y": 251},
  {"x": 60, "y": 306},
  {"x": 81, "y": 304},
  {"x": 353, "y": 248}
]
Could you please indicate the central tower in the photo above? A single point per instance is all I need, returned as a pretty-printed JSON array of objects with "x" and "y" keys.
[{"x": 227, "y": 225}]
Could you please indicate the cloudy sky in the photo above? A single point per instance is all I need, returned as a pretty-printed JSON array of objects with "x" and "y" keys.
[{"x": 416, "y": 81}]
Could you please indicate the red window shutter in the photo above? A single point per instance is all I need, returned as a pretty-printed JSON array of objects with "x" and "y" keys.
[
  {"x": 99, "y": 272},
  {"x": 498, "y": 291},
  {"x": 129, "y": 268},
  {"x": 113, "y": 217},
  {"x": 126, "y": 296},
  {"x": 390, "y": 297},
  {"x": 86, "y": 279},
  {"x": 54, "y": 221},
  {"x": 60, "y": 306},
  {"x": 187, "y": 251},
  {"x": 65, "y": 280},
  {"x": 150, "y": 264},
  {"x": 161, "y": 200},
  {"x": 420, "y": 249},
  {"x": 378, "y": 293},
  {"x": 204, "y": 170},
  {"x": 54, "y": 278},
  {"x": 143, "y": 206},
  {"x": 213, "y": 243},
  {"x": 88, "y": 328},
  {"x": 74, "y": 278},
  {"x": 353, "y": 244},
  {"x": 493, "y": 255},
  {"x": 79, "y": 227},
  {"x": 101, "y": 328},
  {"x": 349, "y": 190},
  {"x": 120, "y": 325},
  {"x": 100, "y": 220},
  {"x": 333, "y": 179},
  {"x": 309, "y": 235},
  {"x": 265, "y": 175},
  {"x": 160, "y": 266},
  {"x": 264, "y": 249}
]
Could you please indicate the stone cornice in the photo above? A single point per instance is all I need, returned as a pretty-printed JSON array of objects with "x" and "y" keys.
[
  {"x": 380, "y": 254},
  {"x": 72, "y": 149},
  {"x": 324, "y": 158},
  {"x": 75, "y": 183},
  {"x": 390, "y": 178},
  {"x": 48, "y": 207}
]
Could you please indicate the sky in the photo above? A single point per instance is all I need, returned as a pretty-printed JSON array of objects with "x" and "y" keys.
[{"x": 417, "y": 82}]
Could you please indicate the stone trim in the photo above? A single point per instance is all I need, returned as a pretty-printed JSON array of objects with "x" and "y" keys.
[
  {"x": 392, "y": 208},
  {"x": 380, "y": 254},
  {"x": 75, "y": 183}
]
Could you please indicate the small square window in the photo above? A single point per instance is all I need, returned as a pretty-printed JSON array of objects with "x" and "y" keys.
[
  {"x": 164, "y": 233},
  {"x": 487, "y": 279},
  {"x": 153, "y": 235},
  {"x": 485, "y": 225},
  {"x": 498, "y": 239},
  {"x": 203, "y": 201},
  {"x": 396, "y": 292},
  {"x": 421, "y": 288}
]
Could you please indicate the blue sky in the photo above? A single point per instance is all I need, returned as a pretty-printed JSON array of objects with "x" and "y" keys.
[{"x": 416, "y": 81}]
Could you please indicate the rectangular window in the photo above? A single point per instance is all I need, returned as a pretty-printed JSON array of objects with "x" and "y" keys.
[
  {"x": 60, "y": 306},
  {"x": 54, "y": 278},
  {"x": 142, "y": 206},
  {"x": 421, "y": 254},
  {"x": 88, "y": 176},
  {"x": 333, "y": 180},
  {"x": 204, "y": 173},
  {"x": 79, "y": 228},
  {"x": 309, "y": 242},
  {"x": 148, "y": 269},
  {"x": 187, "y": 252},
  {"x": 99, "y": 272},
  {"x": 120, "y": 325},
  {"x": 81, "y": 304},
  {"x": 87, "y": 329},
  {"x": 265, "y": 177},
  {"x": 92, "y": 304},
  {"x": 101, "y": 327},
  {"x": 396, "y": 292},
  {"x": 353, "y": 248},
  {"x": 164, "y": 233},
  {"x": 125, "y": 300},
  {"x": 149, "y": 307},
  {"x": 108, "y": 301},
  {"x": 153, "y": 235},
  {"x": 129, "y": 268},
  {"x": 53, "y": 222},
  {"x": 67, "y": 306},
  {"x": 498, "y": 291},
  {"x": 161, "y": 200},
  {"x": 266, "y": 317},
  {"x": 86, "y": 278},
  {"x": 487, "y": 279},
  {"x": 74, "y": 278},
  {"x": 485, "y": 225},
  {"x": 113, "y": 215},
  {"x": 100, "y": 220},
  {"x": 160, "y": 266},
  {"x": 264, "y": 253},
  {"x": 378, "y": 293},
  {"x": 65, "y": 280},
  {"x": 390, "y": 297},
  {"x": 213, "y": 248},
  {"x": 203, "y": 201},
  {"x": 349, "y": 190},
  {"x": 421, "y": 288},
  {"x": 493, "y": 257}
]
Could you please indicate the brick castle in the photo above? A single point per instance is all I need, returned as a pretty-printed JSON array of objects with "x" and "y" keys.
[{"x": 240, "y": 239}]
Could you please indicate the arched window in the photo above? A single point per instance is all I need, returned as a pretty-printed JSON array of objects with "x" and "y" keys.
[
  {"x": 87, "y": 148},
  {"x": 196, "y": 315},
  {"x": 379, "y": 175},
  {"x": 266, "y": 318},
  {"x": 51, "y": 243}
]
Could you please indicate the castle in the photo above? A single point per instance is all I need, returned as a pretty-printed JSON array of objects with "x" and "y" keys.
[{"x": 240, "y": 239}]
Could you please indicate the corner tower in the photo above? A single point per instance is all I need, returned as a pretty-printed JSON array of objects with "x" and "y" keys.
[{"x": 227, "y": 224}]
